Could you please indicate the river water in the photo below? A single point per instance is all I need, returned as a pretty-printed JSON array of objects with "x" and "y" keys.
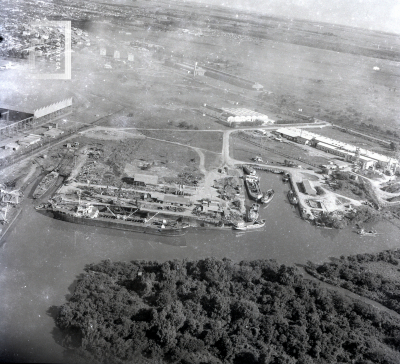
[{"x": 42, "y": 257}]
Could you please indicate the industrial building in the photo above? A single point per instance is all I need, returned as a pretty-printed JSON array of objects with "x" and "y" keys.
[
  {"x": 216, "y": 74},
  {"x": 176, "y": 200},
  {"x": 363, "y": 157},
  {"x": 235, "y": 117},
  {"x": 13, "y": 121},
  {"x": 29, "y": 140}
]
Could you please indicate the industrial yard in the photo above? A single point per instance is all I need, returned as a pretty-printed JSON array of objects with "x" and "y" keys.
[{"x": 185, "y": 134}]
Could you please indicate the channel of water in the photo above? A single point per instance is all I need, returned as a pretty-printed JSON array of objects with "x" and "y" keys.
[{"x": 42, "y": 257}]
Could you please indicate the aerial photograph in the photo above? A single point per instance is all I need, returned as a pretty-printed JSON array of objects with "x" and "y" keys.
[{"x": 200, "y": 182}]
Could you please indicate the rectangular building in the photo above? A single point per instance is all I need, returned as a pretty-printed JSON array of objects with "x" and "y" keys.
[
  {"x": 176, "y": 200},
  {"x": 309, "y": 188}
]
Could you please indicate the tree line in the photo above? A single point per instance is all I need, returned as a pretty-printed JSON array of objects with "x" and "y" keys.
[
  {"x": 219, "y": 311},
  {"x": 353, "y": 273}
]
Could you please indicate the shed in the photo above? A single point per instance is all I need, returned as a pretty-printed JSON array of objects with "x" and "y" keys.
[
  {"x": 340, "y": 164},
  {"x": 309, "y": 188},
  {"x": 146, "y": 179},
  {"x": 29, "y": 140},
  {"x": 12, "y": 146},
  {"x": 53, "y": 133},
  {"x": 176, "y": 200}
]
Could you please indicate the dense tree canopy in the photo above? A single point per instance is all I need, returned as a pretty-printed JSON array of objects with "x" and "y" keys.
[
  {"x": 354, "y": 273},
  {"x": 218, "y": 311}
]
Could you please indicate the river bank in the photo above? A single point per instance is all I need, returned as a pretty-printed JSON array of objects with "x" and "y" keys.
[{"x": 43, "y": 257}]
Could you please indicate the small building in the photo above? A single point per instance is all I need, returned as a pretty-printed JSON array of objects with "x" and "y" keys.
[
  {"x": 176, "y": 200},
  {"x": 302, "y": 139},
  {"x": 366, "y": 163},
  {"x": 340, "y": 164},
  {"x": 53, "y": 133},
  {"x": 287, "y": 133},
  {"x": 145, "y": 179},
  {"x": 241, "y": 115},
  {"x": 52, "y": 125},
  {"x": 11, "y": 146},
  {"x": 117, "y": 54},
  {"x": 29, "y": 140},
  {"x": 309, "y": 188},
  {"x": 131, "y": 57}
]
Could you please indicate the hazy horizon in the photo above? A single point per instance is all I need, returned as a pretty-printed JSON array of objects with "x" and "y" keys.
[{"x": 382, "y": 15}]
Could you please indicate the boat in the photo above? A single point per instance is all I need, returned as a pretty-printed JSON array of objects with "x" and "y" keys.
[
  {"x": 362, "y": 232},
  {"x": 43, "y": 206},
  {"x": 249, "y": 225},
  {"x": 292, "y": 198},
  {"x": 90, "y": 215},
  {"x": 249, "y": 170},
  {"x": 48, "y": 181},
  {"x": 253, "y": 187},
  {"x": 253, "y": 212},
  {"x": 268, "y": 196}
]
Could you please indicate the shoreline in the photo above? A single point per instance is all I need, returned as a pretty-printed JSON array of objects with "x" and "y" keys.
[{"x": 10, "y": 226}]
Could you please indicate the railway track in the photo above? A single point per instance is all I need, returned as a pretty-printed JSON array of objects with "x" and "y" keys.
[{"x": 248, "y": 140}]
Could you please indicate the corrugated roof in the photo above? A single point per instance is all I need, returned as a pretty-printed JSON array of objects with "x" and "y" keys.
[
  {"x": 244, "y": 112},
  {"x": 176, "y": 199}
]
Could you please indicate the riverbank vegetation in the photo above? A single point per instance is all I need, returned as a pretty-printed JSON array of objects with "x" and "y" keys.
[
  {"x": 218, "y": 311},
  {"x": 376, "y": 276}
]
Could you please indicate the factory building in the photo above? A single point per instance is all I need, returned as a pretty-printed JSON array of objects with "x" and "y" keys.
[
  {"x": 12, "y": 121},
  {"x": 365, "y": 158},
  {"x": 235, "y": 117}
]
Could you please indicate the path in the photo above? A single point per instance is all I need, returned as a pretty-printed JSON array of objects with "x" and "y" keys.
[{"x": 350, "y": 294}]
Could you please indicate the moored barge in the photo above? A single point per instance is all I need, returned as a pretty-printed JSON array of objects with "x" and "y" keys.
[{"x": 90, "y": 215}]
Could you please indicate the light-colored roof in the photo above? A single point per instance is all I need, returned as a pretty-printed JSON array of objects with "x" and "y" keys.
[
  {"x": 328, "y": 146},
  {"x": 345, "y": 147},
  {"x": 309, "y": 188},
  {"x": 176, "y": 199},
  {"x": 146, "y": 178},
  {"x": 244, "y": 112},
  {"x": 30, "y": 139},
  {"x": 11, "y": 145},
  {"x": 53, "y": 132}
]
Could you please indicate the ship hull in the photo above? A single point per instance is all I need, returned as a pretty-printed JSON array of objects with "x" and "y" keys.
[
  {"x": 254, "y": 195},
  {"x": 267, "y": 198},
  {"x": 292, "y": 198},
  {"x": 40, "y": 191},
  {"x": 117, "y": 224},
  {"x": 250, "y": 226}
]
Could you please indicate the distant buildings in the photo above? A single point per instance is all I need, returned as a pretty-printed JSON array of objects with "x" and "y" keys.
[
  {"x": 235, "y": 117},
  {"x": 363, "y": 157}
]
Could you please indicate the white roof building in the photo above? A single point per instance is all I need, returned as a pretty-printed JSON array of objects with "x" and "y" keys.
[
  {"x": 242, "y": 115},
  {"x": 339, "y": 148}
]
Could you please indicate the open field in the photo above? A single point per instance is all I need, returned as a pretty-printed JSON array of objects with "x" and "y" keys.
[
  {"x": 326, "y": 71},
  {"x": 211, "y": 141}
]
